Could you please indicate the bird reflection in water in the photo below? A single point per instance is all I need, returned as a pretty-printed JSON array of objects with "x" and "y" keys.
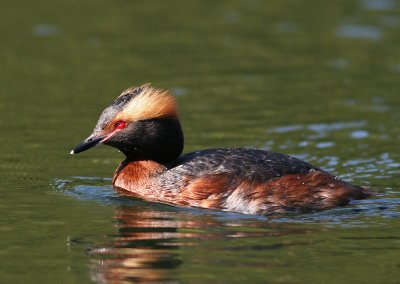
[
  {"x": 145, "y": 248},
  {"x": 149, "y": 242}
]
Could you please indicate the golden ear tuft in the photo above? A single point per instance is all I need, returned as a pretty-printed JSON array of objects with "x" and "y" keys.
[{"x": 149, "y": 103}]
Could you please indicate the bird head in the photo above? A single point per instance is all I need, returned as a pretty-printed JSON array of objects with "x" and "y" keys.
[{"x": 142, "y": 123}]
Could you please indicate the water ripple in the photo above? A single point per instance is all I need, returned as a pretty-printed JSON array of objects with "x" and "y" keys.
[
  {"x": 378, "y": 5},
  {"x": 45, "y": 30},
  {"x": 359, "y": 31}
]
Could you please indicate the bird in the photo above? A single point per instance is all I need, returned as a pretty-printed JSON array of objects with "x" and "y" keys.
[{"x": 143, "y": 123}]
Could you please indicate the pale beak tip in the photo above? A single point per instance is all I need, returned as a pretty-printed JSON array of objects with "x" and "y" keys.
[{"x": 72, "y": 152}]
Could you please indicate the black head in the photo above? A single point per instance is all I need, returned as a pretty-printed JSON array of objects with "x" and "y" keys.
[{"x": 142, "y": 123}]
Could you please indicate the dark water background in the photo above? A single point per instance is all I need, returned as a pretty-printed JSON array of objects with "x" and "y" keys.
[{"x": 316, "y": 79}]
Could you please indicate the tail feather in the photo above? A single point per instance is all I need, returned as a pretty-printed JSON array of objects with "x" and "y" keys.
[{"x": 361, "y": 192}]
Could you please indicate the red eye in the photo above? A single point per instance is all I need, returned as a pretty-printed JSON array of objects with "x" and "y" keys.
[{"x": 120, "y": 124}]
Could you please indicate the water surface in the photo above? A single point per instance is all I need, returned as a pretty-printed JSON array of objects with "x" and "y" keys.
[{"x": 315, "y": 79}]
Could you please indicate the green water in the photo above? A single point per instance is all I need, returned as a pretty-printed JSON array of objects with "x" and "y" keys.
[{"x": 316, "y": 79}]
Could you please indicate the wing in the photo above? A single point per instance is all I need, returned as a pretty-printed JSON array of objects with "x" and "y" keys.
[
  {"x": 242, "y": 163},
  {"x": 254, "y": 181}
]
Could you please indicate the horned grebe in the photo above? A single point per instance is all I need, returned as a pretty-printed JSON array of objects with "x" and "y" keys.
[{"x": 143, "y": 124}]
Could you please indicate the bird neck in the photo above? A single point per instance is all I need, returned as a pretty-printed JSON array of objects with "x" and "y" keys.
[
  {"x": 136, "y": 173},
  {"x": 158, "y": 140}
]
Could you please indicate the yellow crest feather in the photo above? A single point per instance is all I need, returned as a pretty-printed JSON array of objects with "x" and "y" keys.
[{"x": 149, "y": 103}]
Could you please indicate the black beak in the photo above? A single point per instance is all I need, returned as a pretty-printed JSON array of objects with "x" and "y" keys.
[{"x": 87, "y": 144}]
